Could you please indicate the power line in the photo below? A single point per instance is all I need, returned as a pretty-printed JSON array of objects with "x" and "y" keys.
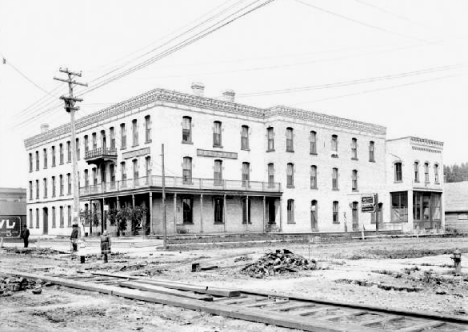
[
  {"x": 352, "y": 82},
  {"x": 359, "y": 22}
]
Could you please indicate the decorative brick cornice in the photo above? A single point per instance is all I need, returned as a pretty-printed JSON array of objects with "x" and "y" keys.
[
  {"x": 159, "y": 96},
  {"x": 427, "y": 142},
  {"x": 325, "y": 119}
]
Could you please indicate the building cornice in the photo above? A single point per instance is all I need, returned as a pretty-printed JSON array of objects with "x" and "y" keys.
[{"x": 161, "y": 96}]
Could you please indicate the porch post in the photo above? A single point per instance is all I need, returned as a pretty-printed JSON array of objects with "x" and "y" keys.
[
  {"x": 264, "y": 213},
  {"x": 151, "y": 211},
  {"x": 247, "y": 212},
  {"x": 201, "y": 213},
  {"x": 103, "y": 219},
  {"x": 224, "y": 211},
  {"x": 91, "y": 214},
  {"x": 175, "y": 213},
  {"x": 133, "y": 201},
  {"x": 281, "y": 214}
]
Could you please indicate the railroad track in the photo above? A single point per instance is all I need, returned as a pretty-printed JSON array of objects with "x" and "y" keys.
[{"x": 293, "y": 312}]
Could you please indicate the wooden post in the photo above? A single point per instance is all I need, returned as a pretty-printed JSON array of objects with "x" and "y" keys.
[
  {"x": 151, "y": 212},
  {"x": 281, "y": 214},
  {"x": 163, "y": 198},
  {"x": 247, "y": 219},
  {"x": 91, "y": 214},
  {"x": 103, "y": 217},
  {"x": 264, "y": 214},
  {"x": 175, "y": 213},
  {"x": 224, "y": 212},
  {"x": 201, "y": 213}
]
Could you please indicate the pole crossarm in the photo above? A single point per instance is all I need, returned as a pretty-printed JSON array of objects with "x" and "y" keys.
[
  {"x": 65, "y": 70},
  {"x": 70, "y": 81},
  {"x": 68, "y": 98}
]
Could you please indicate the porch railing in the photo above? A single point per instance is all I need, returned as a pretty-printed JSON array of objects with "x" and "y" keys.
[{"x": 180, "y": 182}]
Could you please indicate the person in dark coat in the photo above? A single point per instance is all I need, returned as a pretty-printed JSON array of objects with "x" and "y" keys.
[
  {"x": 25, "y": 235},
  {"x": 105, "y": 245},
  {"x": 74, "y": 238}
]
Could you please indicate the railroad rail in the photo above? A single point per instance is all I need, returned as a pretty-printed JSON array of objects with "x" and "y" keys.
[{"x": 286, "y": 311}]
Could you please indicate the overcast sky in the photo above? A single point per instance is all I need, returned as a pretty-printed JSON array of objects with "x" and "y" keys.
[{"x": 401, "y": 64}]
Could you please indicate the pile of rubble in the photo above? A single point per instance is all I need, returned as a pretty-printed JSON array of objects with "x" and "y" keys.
[
  {"x": 10, "y": 285},
  {"x": 278, "y": 262}
]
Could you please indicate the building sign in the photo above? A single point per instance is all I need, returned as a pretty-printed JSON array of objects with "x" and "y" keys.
[
  {"x": 136, "y": 153},
  {"x": 10, "y": 226},
  {"x": 368, "y": 202},
  {"x": 216, "y": 154}
]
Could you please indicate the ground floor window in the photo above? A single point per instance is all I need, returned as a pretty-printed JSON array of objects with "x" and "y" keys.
[
  {"x": 314, "y": 215},
  {"x": 400, "y": 206},
  {"x": 187, "y": 210},
  {"x": 290, "y": 208},
  {"x": 426, "y": 207},
  {"x": 218, "y": 209},
  {"x": 271, "y": 210}
]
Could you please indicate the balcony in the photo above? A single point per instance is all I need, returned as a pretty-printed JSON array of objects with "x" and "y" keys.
[
  {"x": 100, "y": 155},
  {"x": 183, "y": 184}
]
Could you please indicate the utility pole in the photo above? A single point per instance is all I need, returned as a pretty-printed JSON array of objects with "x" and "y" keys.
[
  {"x": 163, "y": 198},
  {"x": 71, "y": 108}
]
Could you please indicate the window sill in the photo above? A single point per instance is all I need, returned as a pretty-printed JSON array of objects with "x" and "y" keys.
[
  {"x": 134, "y": 146},
  {"x": 416, "y": 181},
  {"x": 217, "y": 146},
  {"x": 314, "y": 154},
  {"x": 188, "y": 223},
  {"x": 372, "y": 161},
  {"x": 335, "y": 189},
  {"x": 123, "y": 148},
  {"x": 355, "y": 190},
  {"x": 290, "y": 187},
  {"x": 356, "y": 159},
  {"x": 148, "y": 141},
  {"x": 291, "y": 223},
  {"x": 399, "y": 181},
  {"x": 313, "y": 188},
  {"x": 291, "y": 151},
  {"x": 190, "y": 143},
  {"x": 334, "y": 156},
  {"x": 245, "y": 149},
  {"x": 218, "y": 223},
  {"x": 336, "y": 222},
  {"x": 271, "y": 150}
]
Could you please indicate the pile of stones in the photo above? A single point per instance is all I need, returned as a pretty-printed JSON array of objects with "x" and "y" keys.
[
  {"x": 10, "y": 285},
  {"x": 278, "y": 262}
]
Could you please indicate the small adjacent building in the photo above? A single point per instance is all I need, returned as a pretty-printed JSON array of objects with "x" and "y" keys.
[{"x": 456, "y": 206}]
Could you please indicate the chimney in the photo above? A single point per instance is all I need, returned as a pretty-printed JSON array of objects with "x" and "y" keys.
[
  {"x": 44, "y": 128},
  {"x": 198, "y": 89},
  {"x": 228, "y": 95}
]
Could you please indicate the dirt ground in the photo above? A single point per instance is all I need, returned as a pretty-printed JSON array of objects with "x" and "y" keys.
[{"x": 413, "y": 274}]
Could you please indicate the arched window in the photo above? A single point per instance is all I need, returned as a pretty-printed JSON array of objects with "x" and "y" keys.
[
  {"x": 313, "y": 142},
  {"x": 271, "y": 139},
  {"x": 436, "y": 173},
  {"x": 398, "y": 171},
  {"x": 371, "y": 151},
  {"x": 187, "y": 170},
  {"x": 426, "y": 172},
  {"x": 354, "y": 149},
  {"x": 186, "y": 129},
  {"x": 354, "y": 180},
  {"x": 244, "y": 137},
  {"x": 416, "y": 171},
  {"x": 290, "y": 210},
  {"x": 217, "y": 130},
  {"x": 335, "y": 179},
  {"x": 313, "y": 177},
  {"x": 314, "y": 215},
  {"x": 289, "y": 140},
  {"x": 271, "y": 175},
  {"x": 290, "y": 175},
  {"x": 336, "y": 209}
]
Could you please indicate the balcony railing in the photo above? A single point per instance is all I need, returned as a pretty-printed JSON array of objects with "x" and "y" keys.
[
  {"x": 180, "y": 182},
  {"x": 101, "y": 153}
]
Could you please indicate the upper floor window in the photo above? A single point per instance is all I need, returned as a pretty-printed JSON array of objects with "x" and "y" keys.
[
  {"x": 61, "y": 153},
  {"x": 135, "y": 132},
  {"x": 86, "y": 143},
  {"x": 86, "y": 178},
  {"x": 289, "y": 140},
  {"x": 30, "y": 218},
  {"x": 61, "y": 185},
  {"x": 112, "y": 173},
  {"x": 398, "y": 172},
  {"x": 94, "y": 140},
  {"x": 271, "y": 139},
  {"x": 187, "y": 170},
  {"x": 37, "y": 160},
  {"x": 148, "y": 166},
  {"x": 313, "y": 142},
  {"x": 218, "y": 172},
  {"x": 123, "y": 136},
  {"x": 245, "y": 138},
  {"x": 112, "y": 138},
  {"x": 416, "y": 171},
  {"x": 290, "y": 175},
  {"x": 436, "y": 173},
  {"x": 371, "y": 151},
  {"x": 103, "y": 140},
  {"x": 271, "y": 175},
  {"x": 54, "y": 222},
  {"x": 354, "y": 180},
  {"x": 95, "y": 180},
  {"x": 136, "y": 174},
  {"x": 354, "y": 149},
  {"x": 245, "y": 174},
  {"x": 53, "y": 186},
  {"x": 426, "y": 172},
  {"x": 37, "y": 189},
  {"x": 77, "y": 147},
  {"x": 45, "y": 158},
  {"x": 45, "y": 187},
  {"x": 313, "y": 177},
  {"x": 123, "y": 171},
  {"x": 334, "y": 143},
  {"x": 30, "y": 162},
  {"x": 217, "y": 134},
  {"x": 68, "y": 152},
  {"x": 53, "y": 156},
  {"x": 335, "y": 179},
  {"x": 69, "y": 185},
  {"x": 147, "y": 129},
  {"x": 186, "y": 129},
  {"x": 31, "y": 190},
  {"x": 290, "y": 210},
  {"x": 336, "y": 210}
]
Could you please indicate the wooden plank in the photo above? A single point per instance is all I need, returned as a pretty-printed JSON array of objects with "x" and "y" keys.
[
  {"x": 163, "y": 290},
  {"x": 199, "y": 289},
  {"x": 227, "y": 299},
  {"x": 421, "y": 327},
  {"x": 342, "y": 315},
  {"x": 114, "y": 275},
  {"x": 382, "y": 320},
  {"x": 317, "y": 310},
  {"x": 294, "y": 306}
]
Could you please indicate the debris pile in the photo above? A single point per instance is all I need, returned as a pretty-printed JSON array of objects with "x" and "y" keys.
[
  {"x": 242, "y": 258},
  {"x": 10, "y": 285},
  {"x": 34, "y": 251},
  {"x": 278, "y": 262}
]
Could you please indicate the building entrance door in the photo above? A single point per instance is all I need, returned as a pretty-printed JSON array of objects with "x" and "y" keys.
[
  {"x": 355, "y": 214},
  {"x": 313, "y": 216},
  {"x": 187, "y": 210},
  {"x": 45, "y": 221},
  {"x": 271, "y": 211}
]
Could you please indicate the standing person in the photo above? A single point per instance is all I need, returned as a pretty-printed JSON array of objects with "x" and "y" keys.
[
  {"x": 25, "y": 235},
  {"x": 105, "y": 245},
  {"x": 74, "y": 238}
]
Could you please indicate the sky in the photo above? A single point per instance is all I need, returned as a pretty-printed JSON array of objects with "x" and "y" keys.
[{"x": 397, "y": 63}]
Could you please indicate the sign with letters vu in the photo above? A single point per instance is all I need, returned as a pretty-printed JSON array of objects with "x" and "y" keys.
[
  {"x": 368, "y": 202},
  {"x": 10, "y": 226},
  {"x": 216, "y": 154},
  {"x": 136, "y": 153}
]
